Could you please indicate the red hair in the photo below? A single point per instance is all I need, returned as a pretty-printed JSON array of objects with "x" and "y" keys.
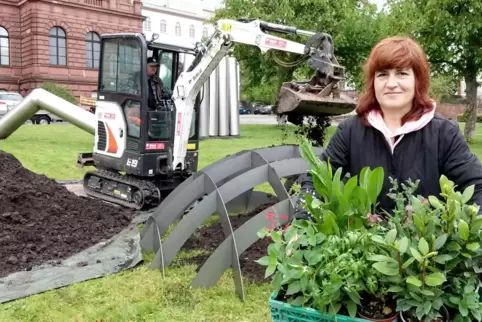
[{"x": 397, "y": 52}]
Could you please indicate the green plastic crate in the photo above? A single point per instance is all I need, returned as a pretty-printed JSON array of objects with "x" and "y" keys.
[{"x": 284, "y": 312}]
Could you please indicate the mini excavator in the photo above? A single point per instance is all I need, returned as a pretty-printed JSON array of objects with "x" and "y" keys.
[{"x": 140, "y": 163}]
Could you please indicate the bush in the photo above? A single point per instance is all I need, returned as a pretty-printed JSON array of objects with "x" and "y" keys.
[
  {"x": 60, "y": 91},
  {"x": 464, "y": 116}
]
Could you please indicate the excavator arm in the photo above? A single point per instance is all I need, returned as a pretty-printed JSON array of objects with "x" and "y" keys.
[{"x": 318, "y": 50}]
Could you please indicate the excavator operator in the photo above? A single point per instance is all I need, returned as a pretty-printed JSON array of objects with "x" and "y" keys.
[{"x": 157, "y": 92}]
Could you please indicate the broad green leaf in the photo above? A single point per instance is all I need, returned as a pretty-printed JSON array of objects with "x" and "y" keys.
[
  {"x": 442, "y": 259},
  {"x": 423, "y": 246},
  {"x": 293, "y": 287},
  {"x": 434, "y": 202},
  {"x": 403, "y": 244},
  {"x": 378, "y": 239},
  {"x": 382, "y": 258},
  {"x": 473, "y": 246},
  {"x": 390, "y": 236},
  {"x": 375, "y": 184},
  {"x": 414, "y": 281},
  {"x": 427, "y": 292},
  {"x": 463, "y": 230},
  {"x": 263, "y": 261},
  {"x": 440, "y": 241},
  {"x": 435, "y": 279},
  {"x": 476, "y": 225},
  {"x": 416, "y": 254},
  {"x": 419, "y": 224},
  {"x": 408, "y": 262},
  {"x": 468, "y": 193},
  {"x": 385, "y": 268},
  {"x": 352, "y": 309},
  {"x": 349, "y": 186},
  {"x": 355, "y": 297},
  {"x": 276, "y": 236},
  {"x": 395, "y": 289},
  {"x": 453, "y": 246}
]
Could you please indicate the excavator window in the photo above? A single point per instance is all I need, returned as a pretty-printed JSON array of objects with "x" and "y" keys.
[{"x": 121, "y": 66}]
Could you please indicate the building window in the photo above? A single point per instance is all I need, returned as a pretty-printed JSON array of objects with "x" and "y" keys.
[
  {"x": 92, "y": 50},
  {"x": 4, "y": 47},
  {"x": 192, "y": 31},
  {"x": 57, "y": 47},
  {"x": 205, "y": 32},
  {"x": 163, "y": 27},
  {"x": 147, "y": 24},
  {"x": 178, "y": 29}
]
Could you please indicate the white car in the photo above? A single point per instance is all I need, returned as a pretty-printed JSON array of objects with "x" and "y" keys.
[{"x": 8, "y": 100}]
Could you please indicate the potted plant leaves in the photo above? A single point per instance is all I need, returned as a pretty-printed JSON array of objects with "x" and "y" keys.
[
  {"x": 433, "y": 254},
  {"x": 321, "y": 266}
]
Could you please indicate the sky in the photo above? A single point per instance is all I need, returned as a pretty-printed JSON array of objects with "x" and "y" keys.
[{"x": 213, "y": 4}]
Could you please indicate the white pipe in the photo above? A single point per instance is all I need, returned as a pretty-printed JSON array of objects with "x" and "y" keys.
[
  {"x": 223, "y": 98},
  {"x": 233, "y": 97},
  {"x": 40, "y": 99},
  {"x": 213, "y": 103}
]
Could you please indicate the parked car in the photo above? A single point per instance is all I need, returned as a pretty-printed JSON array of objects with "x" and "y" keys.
[
  {"x": 266, "y": 109},
  {"x": 8, "y": 100},
  {"x": 243, "y": 110}
]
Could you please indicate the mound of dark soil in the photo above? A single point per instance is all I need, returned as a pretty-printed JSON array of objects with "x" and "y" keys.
[
  {"x": 209, "y": 238},
  {"x": 41, "y": 221}
]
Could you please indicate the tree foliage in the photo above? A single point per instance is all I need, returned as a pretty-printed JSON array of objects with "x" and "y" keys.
[
  {"x": 451, "y": 33},
  {"x": 353, "y": 24}
]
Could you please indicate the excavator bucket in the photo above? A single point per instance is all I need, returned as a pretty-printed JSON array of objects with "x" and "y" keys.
[{"x": 307, "y": 100}]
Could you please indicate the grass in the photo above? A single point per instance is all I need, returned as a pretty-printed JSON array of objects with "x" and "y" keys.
[{"x": 139, "y": 294}]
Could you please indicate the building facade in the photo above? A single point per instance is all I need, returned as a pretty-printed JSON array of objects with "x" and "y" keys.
[
  {"x": 180, "y": 22},
  {"x": 58, "y": 41}
]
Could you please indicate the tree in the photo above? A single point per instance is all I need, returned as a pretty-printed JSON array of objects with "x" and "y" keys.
[
  {"x": 352, "y": 24},
  {"x": 451, "y": 33}
]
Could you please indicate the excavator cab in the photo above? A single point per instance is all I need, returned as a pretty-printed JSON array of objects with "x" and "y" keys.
[{"x": 149, "y": 129}]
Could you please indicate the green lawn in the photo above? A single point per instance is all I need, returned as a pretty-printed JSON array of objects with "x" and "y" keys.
[{"x": 139, "y": 294}]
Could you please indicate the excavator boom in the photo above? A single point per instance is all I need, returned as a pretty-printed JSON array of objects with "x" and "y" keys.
[{"x": 303, "y": 98}]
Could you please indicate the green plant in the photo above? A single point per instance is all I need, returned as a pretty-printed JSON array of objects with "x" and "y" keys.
[
  {"x": 465, "y": 115},
  {"x": 431, "y": 244},
  {"x": 60, "y": 91},
  {"x": 323, "y": 262}
]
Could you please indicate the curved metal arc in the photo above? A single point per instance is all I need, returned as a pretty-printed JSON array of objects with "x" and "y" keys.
[
  {"x": 246, "y": 235},
  {"x": 188, "y": 225},
  {"x": 190, "y": 190}
]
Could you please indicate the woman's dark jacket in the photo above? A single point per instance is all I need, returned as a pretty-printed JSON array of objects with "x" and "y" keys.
[{"x": 437, "y": 149}]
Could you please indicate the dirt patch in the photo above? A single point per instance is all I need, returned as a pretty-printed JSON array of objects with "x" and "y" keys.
[
  {"x": 209, "y": 238},
  {"x": 41, "y": 221}
]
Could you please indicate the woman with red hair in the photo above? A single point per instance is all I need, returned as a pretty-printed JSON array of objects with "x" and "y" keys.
[{"x": 396, "y": 128}]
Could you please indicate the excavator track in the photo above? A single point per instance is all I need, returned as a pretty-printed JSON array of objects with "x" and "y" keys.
[{"x": 124, "y": 190}]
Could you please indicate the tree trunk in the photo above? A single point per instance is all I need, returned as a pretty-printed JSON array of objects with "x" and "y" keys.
[{"x": 470, "y": 125}]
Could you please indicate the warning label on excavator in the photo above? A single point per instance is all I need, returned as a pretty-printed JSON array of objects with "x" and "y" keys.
[
  {"x": 179, "y": 124},
  {"x": 274, "y": 42}
]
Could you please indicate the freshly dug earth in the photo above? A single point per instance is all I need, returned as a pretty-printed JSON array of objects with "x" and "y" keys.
[
  {"x": 209, "y": 238},
  {"x": 42, "y": 221}
]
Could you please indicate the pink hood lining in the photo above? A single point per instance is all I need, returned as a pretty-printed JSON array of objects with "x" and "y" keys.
[{"x": 376, "y": 120}]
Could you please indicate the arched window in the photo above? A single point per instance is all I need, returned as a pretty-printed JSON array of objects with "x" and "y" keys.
[
  {"x": 4, "y": 47},
  {"x": 163, "y": 27},
  {"x": 147, "y": 24},
  {"x": 178, "y": 29},
  {"x": 57, "y": 46},
  {"x": 192, "y": 31},
  {"x": 92, "y": 50},
  {"x": 205, "y": 32}
]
